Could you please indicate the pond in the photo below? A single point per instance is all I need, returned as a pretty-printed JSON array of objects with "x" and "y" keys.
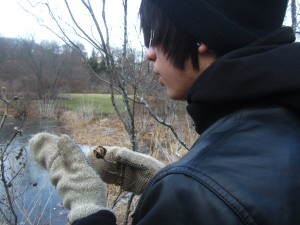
[{"x": 36, "y": 200}]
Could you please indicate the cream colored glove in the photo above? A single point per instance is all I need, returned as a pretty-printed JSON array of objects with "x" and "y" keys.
[
  {"x": 121, "y": 166},
  {"x": 82, "y": 190}
]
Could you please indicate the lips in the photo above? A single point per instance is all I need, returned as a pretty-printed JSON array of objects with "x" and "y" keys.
[
  {"x": 159, "y": 77},
  {"x": 160, "y": 81}
]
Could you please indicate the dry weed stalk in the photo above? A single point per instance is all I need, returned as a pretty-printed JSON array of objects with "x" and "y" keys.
[{"x": 9, "y": 173}]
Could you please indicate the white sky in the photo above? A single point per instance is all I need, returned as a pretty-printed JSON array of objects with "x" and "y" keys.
[{"x": 16, "y": 22}]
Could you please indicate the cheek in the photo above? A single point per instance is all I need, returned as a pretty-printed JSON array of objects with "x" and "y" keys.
[{"x": 177, "y": 89}]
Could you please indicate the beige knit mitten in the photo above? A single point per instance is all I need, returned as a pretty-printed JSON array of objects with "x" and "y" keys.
[
  {"x": 121, "y": 166},
  {"x": 82, "y": 190}
]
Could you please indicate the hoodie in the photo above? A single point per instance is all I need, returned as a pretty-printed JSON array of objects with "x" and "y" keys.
[{"x": 265, "y": 72}]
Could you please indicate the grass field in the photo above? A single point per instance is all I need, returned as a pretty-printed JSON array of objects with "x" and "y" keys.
[{"x": 99, "y": 102}]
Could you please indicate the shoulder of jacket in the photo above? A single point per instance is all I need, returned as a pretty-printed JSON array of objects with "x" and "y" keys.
[{"x": 176, "y": 188}]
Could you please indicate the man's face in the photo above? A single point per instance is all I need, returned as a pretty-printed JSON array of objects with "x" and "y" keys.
[{"x": 177, "y": 82}]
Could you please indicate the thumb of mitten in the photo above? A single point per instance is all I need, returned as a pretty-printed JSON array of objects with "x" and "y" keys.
[{"x": 44, "y": 148}]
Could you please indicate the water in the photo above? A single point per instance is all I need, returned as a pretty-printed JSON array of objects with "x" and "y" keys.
[{"x": 37, "y": 201}]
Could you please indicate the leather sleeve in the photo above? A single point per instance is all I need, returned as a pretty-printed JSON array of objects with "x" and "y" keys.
[
  {"x": 102, "y": 217},
  {"x": 178, "y": 199}
]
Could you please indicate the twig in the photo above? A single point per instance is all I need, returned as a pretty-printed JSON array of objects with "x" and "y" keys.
[
  {"x": 163, "y": 122},
  {"x": 128, "y": 208}
]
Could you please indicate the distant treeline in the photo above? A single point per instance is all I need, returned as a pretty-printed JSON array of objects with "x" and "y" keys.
[{"x": 43, "y": 70}]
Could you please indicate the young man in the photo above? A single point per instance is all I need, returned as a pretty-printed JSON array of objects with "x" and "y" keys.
[{"x": 238, "y": 69}]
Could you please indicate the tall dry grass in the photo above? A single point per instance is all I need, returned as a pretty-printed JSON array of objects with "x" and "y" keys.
[{"x": 48, "y": 108}]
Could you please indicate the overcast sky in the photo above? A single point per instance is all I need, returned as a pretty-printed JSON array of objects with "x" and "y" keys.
[{"x": 16, "y": 22}]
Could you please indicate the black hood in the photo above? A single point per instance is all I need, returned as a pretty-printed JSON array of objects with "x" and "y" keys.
[{"x": 265, "y": 72}]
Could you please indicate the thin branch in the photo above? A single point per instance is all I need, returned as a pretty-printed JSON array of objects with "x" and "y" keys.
[
  {"x": 163, "y": 122},
  {"x": 90, "y": 10},
  {"x": 128, "y": 208},
  {"x": 5, "y": 217}
]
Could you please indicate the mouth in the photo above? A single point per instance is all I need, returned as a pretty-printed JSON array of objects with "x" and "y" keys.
[
  {"x": 161, "y": 81},
  {"x": 159, "y": 78}
]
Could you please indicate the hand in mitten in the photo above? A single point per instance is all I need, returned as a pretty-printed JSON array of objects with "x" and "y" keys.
[
  {"x": 121, "y": 166},
  {"x": 44, "y": 149},
  {"x": 82, "y": 190}
]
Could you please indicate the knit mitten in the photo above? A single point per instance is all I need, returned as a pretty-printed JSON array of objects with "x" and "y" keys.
[
  {"x": 82, "y": 190},
  {"x": 44, "y": 149},
  {"x": 121, "y": 166}
]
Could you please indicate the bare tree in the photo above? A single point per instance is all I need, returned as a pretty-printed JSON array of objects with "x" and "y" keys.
[
  {"x": 42, "y": 69},
  {"x": 127, "y": 73},
  {"x": 47, "y": 66}
]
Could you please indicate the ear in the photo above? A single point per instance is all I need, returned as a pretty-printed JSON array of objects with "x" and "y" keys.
[
  {"x": 203, "y": 48},
  {"x": 206, "y": 56}
]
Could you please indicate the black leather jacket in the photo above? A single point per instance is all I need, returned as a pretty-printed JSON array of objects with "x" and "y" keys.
[{"x": 244, "y": 169}]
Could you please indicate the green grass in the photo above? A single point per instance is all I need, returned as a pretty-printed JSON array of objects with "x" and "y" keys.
[{"x": 100, "y": 102}]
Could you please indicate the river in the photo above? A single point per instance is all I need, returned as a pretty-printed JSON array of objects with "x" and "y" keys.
[{"x": 36, "y": 200}]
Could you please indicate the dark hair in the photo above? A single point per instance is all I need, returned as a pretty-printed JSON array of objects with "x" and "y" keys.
[{"x": 158, "y": 30}]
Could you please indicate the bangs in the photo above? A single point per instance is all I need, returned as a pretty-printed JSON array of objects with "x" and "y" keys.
[{"x": 177, "y": 44}]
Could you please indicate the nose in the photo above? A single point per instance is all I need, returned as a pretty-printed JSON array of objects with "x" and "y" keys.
[{"x": 151, "y": 54}]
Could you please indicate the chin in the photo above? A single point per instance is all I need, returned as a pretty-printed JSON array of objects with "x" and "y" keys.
[{"x": 176, "y": 97}]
